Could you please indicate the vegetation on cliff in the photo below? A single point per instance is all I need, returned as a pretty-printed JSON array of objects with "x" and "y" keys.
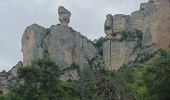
[
  {"x": 135, "y": 35},
  {"x": 149, "y": 82},
  {"x": 40, "y": 81}
]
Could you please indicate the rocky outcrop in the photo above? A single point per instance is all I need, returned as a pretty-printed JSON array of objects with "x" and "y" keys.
[
  {"x": 60, "y": 43},
  {"x": 160, "y": 23},
  {"x": 153, "y": 19},
  {"x": 108, "y": 26},
  {"x": 64, "y": 16},
  {"x": 65, "y": 46},
  {"x": 120, "y": 22},
  {"x": 32, "y": 43}
]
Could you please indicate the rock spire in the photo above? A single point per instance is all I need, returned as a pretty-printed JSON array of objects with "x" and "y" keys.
[{"x": 64, "y": 16}]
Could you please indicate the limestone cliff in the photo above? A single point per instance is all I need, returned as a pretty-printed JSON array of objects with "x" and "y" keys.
[
  {"x": 153, "y": 19},
  {"x": 66, "y": 46},
  {"x": 116, "y": 53},
  {"x": 60, "y": 43}
]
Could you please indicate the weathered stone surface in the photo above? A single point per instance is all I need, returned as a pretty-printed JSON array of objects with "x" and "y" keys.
[
  {"x": 120, "y": 23},
  {"x": 66, "y": 46},
  {"x": 153, "y": 19},
  {"x": 32, "y": 43},
  {"x": 60, "y": 43},
  {"x": 64, "y": 15},
  {"x": 116, "y": 53},
  {"x": 160, "y": 24}
]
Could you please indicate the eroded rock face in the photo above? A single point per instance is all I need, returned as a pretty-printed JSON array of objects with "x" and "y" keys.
[
  {"x": 120, "y": 23},
  {"x": 32, "y": 43},
  {"x": 116, "y": 53},
  {"x": 153, "y": 19},
  {"x": 60, "y": 43},
  {"x": 160, "y": 27},
  {"x": 66, "y": 46}
]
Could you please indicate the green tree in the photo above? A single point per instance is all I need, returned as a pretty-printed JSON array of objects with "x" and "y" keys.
[
  {"x": 148, "y": 82},
  {"x": 40, "y": 81},
  {"x": 157, "y": 77}
]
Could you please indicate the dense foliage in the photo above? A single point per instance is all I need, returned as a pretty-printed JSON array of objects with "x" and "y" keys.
[
  {"x": 40, "y": 81},
  {"x": 150, "y": 82}
]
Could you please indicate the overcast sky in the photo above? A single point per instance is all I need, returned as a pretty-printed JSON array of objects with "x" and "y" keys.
[{"x": 87, "y": 17}]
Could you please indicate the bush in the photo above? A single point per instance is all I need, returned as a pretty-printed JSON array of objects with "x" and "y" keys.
[{"x": 150, "y": 82}]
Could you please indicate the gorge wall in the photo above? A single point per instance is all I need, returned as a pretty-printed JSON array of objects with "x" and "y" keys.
[
  {"x": 153, "y": 19},
  {"x": 66, "y": 46}
]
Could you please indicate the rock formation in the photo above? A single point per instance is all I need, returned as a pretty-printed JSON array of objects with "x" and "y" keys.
[
  {"x": 120, "y": 22},
  {"x": 65, "y": 46},
  {"x": 153, "y": 19},
  {"x": 114, "y": 25},
  {"x": 108, "y": 26},
  {"x": 60, "y": 43},
  {"x": 32, "y": 43},
  {"x": 64, "y": 15},
  {"x": 116, "y": 53}
]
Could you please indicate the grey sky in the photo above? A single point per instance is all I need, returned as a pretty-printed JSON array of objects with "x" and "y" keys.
[{"x": 87, "y": 17}]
